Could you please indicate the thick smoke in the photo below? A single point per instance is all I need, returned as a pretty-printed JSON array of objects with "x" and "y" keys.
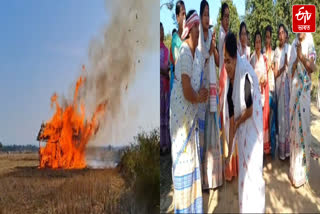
[{"x": 114, "y": 57}]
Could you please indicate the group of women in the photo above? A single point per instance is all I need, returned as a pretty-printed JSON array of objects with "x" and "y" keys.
[{"x": 222, "y": 122}]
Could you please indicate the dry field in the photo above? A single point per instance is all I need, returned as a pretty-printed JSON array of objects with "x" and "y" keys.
[{"x": 26, "y": 189}]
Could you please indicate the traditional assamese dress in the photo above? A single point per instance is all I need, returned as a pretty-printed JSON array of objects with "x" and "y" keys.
[
  {"x": 300, "y": 134},
  {"x": 259, "y": 66},
  {"x": 231, "y": 170},
  {"x": 212, "y": 152},
  {"x": 184, "y": 137},
  {"x": 249, "y": 137},
  {"x": 283, "y": 98}
]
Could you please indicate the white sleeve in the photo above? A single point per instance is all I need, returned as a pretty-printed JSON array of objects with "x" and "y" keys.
[{"x": 185, "y": 64}]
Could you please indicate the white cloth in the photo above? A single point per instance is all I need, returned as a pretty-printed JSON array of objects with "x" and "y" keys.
[
  {"x": 187, "y": 192},
  {"x": 283, "y": 97},
  {"x": 300, "y": 135},
  {"x": 249, "y": 137},
  {"x": 210, "y": 66},
  {"x": 244, "y": 52},
  {"x": 222, "y": 88},
  {"x": 259, "y": 67},
  {"x": 212, "y": 157}
]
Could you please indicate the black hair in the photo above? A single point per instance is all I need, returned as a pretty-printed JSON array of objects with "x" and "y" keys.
[
  {"x": 189, "y": 14},
  {"x": 243, "y": 24},
  {"x": 203, "y": 5},
  {"x": 269, "y": 28},
  {"x": 281, "y": 26},
  {"x": 161, "y": 24},
  {"x": 178, "y": 6},
  {"x": 223, "y": 8},
  {"x": 255, "y": 37},
  {"x": 173, "y": 31},
  {"x": 231, "y": 44}
]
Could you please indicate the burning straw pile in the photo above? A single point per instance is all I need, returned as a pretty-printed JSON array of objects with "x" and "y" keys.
[
  {"x": 68, "y": 133},
  {"x": 112, "y": 66}
]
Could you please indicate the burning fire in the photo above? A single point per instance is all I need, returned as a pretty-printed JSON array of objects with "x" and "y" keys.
[{"x": 67, "y": 134}]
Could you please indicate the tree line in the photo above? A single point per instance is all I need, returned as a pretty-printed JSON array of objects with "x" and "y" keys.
[{"x": 18, "y": 148}]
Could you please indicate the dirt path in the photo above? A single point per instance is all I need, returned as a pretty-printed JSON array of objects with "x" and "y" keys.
[{"x": 281, "y": 196}]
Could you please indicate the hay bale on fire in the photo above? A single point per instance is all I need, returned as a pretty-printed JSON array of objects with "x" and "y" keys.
[{"x": 67, "y": 134}]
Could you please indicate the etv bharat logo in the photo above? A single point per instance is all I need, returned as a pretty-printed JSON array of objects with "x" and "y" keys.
[{"x": 303, "y": 18}]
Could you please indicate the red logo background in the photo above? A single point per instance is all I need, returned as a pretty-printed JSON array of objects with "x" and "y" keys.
[{"x": 304, "y": 25}]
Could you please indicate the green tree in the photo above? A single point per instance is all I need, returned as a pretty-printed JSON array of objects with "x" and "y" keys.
[
  {"x": 140, "y": 167},
  {"x": 259, "y": 14},
  {"x": 167, "y": 41}
]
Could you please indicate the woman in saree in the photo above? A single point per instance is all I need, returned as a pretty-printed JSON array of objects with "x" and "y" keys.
[
  {"x": 269, "y": 56},
  {"x": 281, "y": 58},
  {"x": 176, "y": 37},
  {"x": 186, "y": 95},
  {"x": 231, "y": 170},
  {"x": 164, "y": 94},
  {"x": 212, "y": 155},
  {"x": 243, "y": 49},
  {"x": 301, "y": 65},
  {"x": 258, "y": 63},
  {"x": 243, "y": 121}
]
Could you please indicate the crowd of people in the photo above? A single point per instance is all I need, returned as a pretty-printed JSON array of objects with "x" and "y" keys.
[{"x": 223, "y": 108}]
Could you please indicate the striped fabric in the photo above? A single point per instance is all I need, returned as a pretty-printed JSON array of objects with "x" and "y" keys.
[
  {"x": 185, "y": 136},
  {"x": 188, "y": 24}
]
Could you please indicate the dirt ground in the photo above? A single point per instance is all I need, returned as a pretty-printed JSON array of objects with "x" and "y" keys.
[
  {"x": 26, "y": 189},
  {"x": 281, "y": 196}
]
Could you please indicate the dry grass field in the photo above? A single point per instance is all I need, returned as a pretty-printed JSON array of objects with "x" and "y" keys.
[
  {"x": 26, "y": 189},
  {"x": 132, "y": 187}
]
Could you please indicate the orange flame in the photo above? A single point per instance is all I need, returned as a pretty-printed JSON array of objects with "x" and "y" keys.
[{"x": 68, "y": 133}]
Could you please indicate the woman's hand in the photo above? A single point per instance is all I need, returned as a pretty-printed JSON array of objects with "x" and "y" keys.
[
  {"x": 213, "y": 43},
  {"x": 262, "y": 80},
  {"x": 299, "y": 52},
  {"x": 286, "y": 60},
  {"x": 203, "y": 95},
  {"x": 309, "y": 65},
  {"x": 206, "y": 61},
  {"x": 236, "y": 125},
  {"x": 294, "y": 67},
  {"x": 295, "y": 64},
  {"x": 213, "y": 40},
  {"x": 227, "y": 161}
]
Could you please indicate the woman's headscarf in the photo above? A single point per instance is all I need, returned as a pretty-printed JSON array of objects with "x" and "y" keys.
[{"x": 188, "y": 24}]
